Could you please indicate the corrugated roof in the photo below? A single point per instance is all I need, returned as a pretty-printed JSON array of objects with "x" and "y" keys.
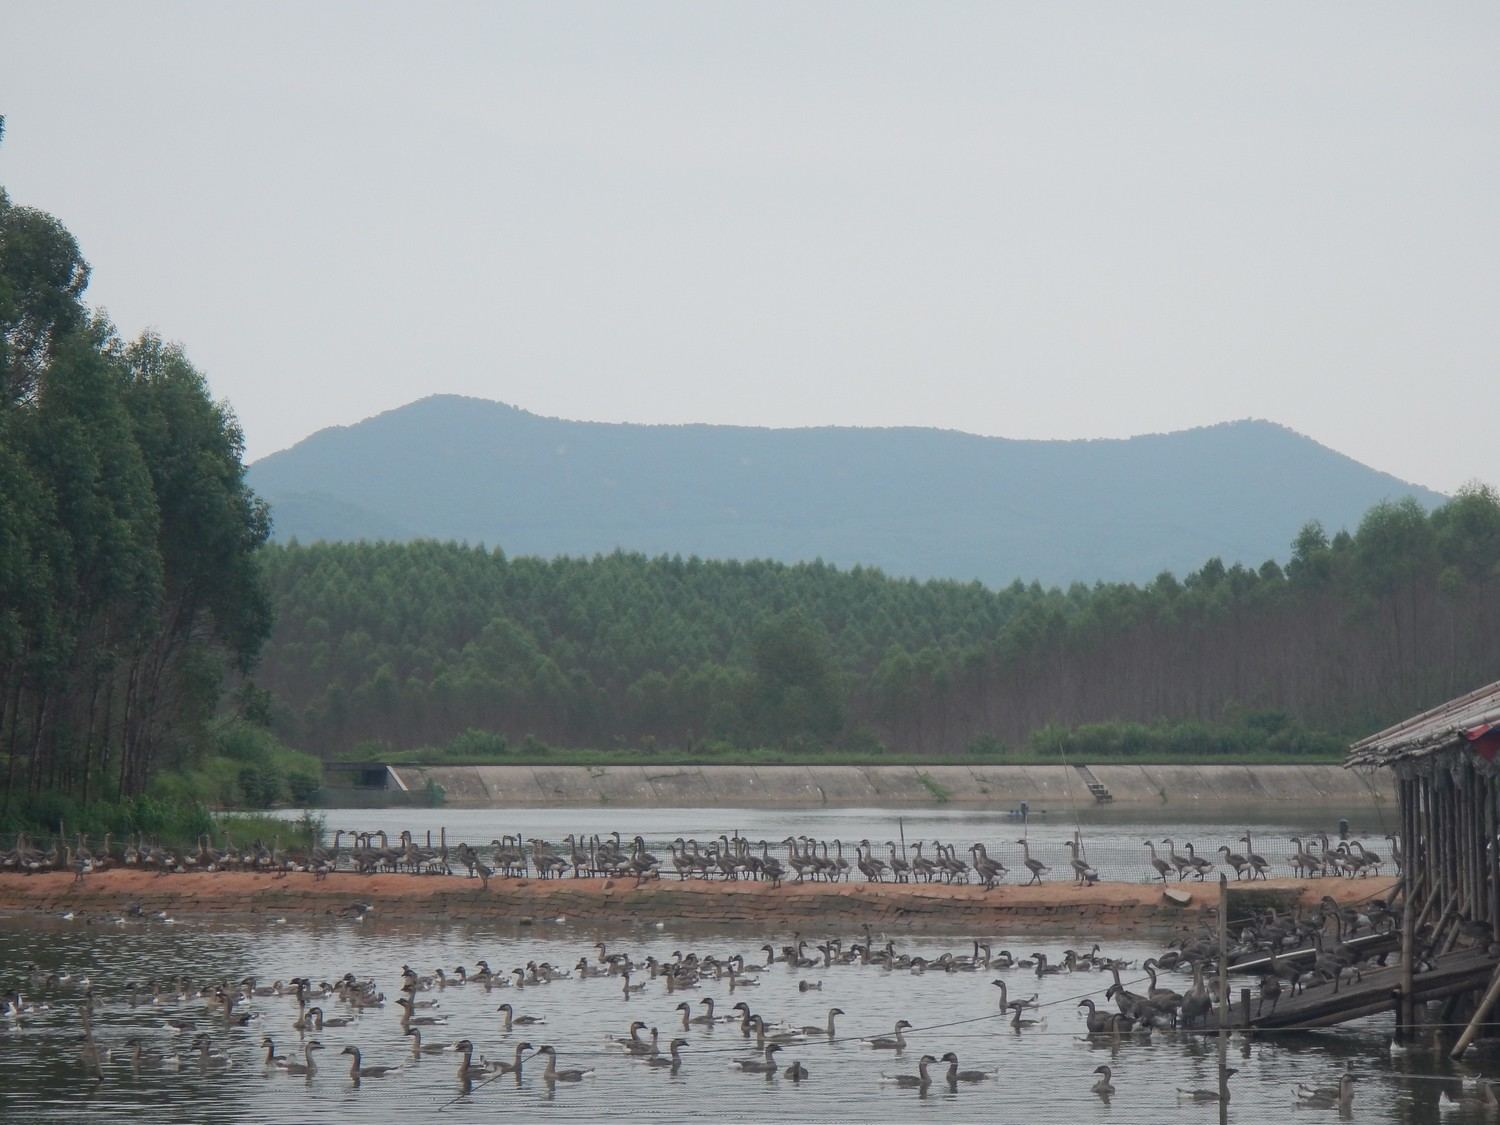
[{"x": 1429, "y": 732}]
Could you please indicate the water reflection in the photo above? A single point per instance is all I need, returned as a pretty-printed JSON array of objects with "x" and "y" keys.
[{"x": 1045, "y": 1072}]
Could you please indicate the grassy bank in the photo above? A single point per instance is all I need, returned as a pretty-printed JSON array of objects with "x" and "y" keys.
[
  {"x": 239, "y": 770},
  {"x": 1259, "y": 739}
]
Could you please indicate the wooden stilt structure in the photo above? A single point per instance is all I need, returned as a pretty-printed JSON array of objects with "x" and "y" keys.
[{"x": 1448, "y": 788}]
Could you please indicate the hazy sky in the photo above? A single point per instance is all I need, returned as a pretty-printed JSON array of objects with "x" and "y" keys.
[{"x": 1030, "y": 220}]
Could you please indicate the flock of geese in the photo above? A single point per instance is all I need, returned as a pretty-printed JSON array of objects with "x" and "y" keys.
[
  {"x": 798, "y": 858},
  {"x": 208, "y": 1017}
]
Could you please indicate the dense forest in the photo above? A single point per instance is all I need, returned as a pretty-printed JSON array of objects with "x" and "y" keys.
[
  {"x": 399, "y": 645},
  {"x": 129, "y": 578}
]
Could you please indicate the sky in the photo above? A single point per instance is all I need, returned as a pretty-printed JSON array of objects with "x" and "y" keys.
[{"x": 1027, "y": 220}]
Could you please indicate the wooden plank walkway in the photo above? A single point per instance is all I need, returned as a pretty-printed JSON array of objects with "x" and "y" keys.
[
  {"x": 1374, "y": 993},
  {"x": 1366, "y": 945}
]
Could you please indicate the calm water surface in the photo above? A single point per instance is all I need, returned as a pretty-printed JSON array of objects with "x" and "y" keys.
[{"x": 1044, "y": 1073}]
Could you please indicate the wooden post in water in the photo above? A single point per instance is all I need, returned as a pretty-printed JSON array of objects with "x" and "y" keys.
[
  {"x": 1479, "y": 1016},
  {"x": 1406, "y": 1008},
  {"x": 1223, "y": 998}
]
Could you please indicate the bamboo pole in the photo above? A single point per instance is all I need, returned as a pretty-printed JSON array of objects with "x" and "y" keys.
[
  {"x": 1479, "y": 1014},
  {"x": 1224, "y": 998},
  {"x": 1492, "y": 842},
  {"x": 1406, "y": 1007}
]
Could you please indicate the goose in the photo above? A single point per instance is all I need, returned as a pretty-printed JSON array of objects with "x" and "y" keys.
[
  {"x": 1018, "y": 1023},
  {"x": 320, "y": 1021},
  {"x": 1200, "y": 866},
  {"x": 418, "y": 1048},
  {"x": 636, "y": 1027},
  {"x": 813, "y": 1029},
  {"x": 955, "y": 1076},
  {"x": 358, "y": 1072},
  {"x": 1258, "y": 864},
  {"x": 1161, "y": 997},
  {"x": 1207, "y": 1095},
  {"x": 306, "y": 1068},
  {"x": 1104, "y": 1087},
  {"x": 511, "y": 1019},
  {"x": 1197, "y": 1004},
  {"x": 1161, "y": 865},
  {"x": 761, "y": 1038},
  {"x": 1484, "y": 1099},
  {"x": 467, "y": 1071},
  {"x": 675, "y": 1061},
  {"x": 921, "y": 1080},
  {"x": 1083, "y": 874},
  {"x": 271, "y": 1059},
  {"x": 1005, "y": 1000},
  {"x": 1180, "y": 862},
  {"x": 896, "y": 1042},
  {"x": 1236, "y": 861},
  {"x": 422, "y": 1021},
  {"x": 514, "y": 1066},
  {"x": 554, "y": 1074},
  {"x": 796, "y": 1072},
  {"x": 141, "y": 1059},
  {"x": 643, "y": 1046},
  {"x": 1035, "y": 866},
  {"x": 765, "y": 1065},
  {"x": 1098, "y": 1022},
  {"x": 1327, "y": 1097},
  {"x": 208, "y": 1059}
]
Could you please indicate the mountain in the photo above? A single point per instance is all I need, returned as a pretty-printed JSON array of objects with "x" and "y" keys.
[{"x": 914, "y": 502}]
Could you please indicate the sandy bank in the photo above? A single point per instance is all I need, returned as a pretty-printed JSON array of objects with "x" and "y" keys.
[
  {"x": 910, "y": 786},
  {"x": 1105, "y": 908}
]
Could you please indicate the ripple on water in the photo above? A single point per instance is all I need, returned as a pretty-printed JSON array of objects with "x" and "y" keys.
[{"x": 1045, "y": 1073}]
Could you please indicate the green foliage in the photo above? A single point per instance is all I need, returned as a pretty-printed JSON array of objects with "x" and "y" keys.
[
  {"x": 939, "y": 792},
  {"x": 986, "y": 746},
  {"x": 1262, "y": 736},
  {"x": 391, "y": 647},
  {"x": 129, "y": 578}
]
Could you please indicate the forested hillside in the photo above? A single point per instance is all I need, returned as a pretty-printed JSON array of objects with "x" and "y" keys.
[
  {"x": 405, "y": 645},
  {"x": 129, "y": 582},
  {"x": 915, "y": 502}
]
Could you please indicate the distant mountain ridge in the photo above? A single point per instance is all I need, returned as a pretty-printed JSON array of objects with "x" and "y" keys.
[{"x": 919, "y": 503}]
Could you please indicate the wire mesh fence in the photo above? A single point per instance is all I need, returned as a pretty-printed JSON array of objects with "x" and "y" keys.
[{"x": 1016, "y": 854}]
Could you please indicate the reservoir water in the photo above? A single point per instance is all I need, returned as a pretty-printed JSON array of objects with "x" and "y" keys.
[{"x": 1043, "y": 1073}]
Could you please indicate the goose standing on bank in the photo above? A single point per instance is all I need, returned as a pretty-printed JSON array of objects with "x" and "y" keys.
[
  {"x": 1161, "y": 865},
  {"x": 1035, "y": 866}
]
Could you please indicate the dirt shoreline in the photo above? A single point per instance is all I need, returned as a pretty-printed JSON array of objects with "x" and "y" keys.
[{"x": 1112, "y": 908}]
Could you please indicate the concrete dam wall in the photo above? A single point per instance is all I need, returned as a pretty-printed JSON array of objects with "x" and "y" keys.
[{"x": 1001, "y": 787}]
